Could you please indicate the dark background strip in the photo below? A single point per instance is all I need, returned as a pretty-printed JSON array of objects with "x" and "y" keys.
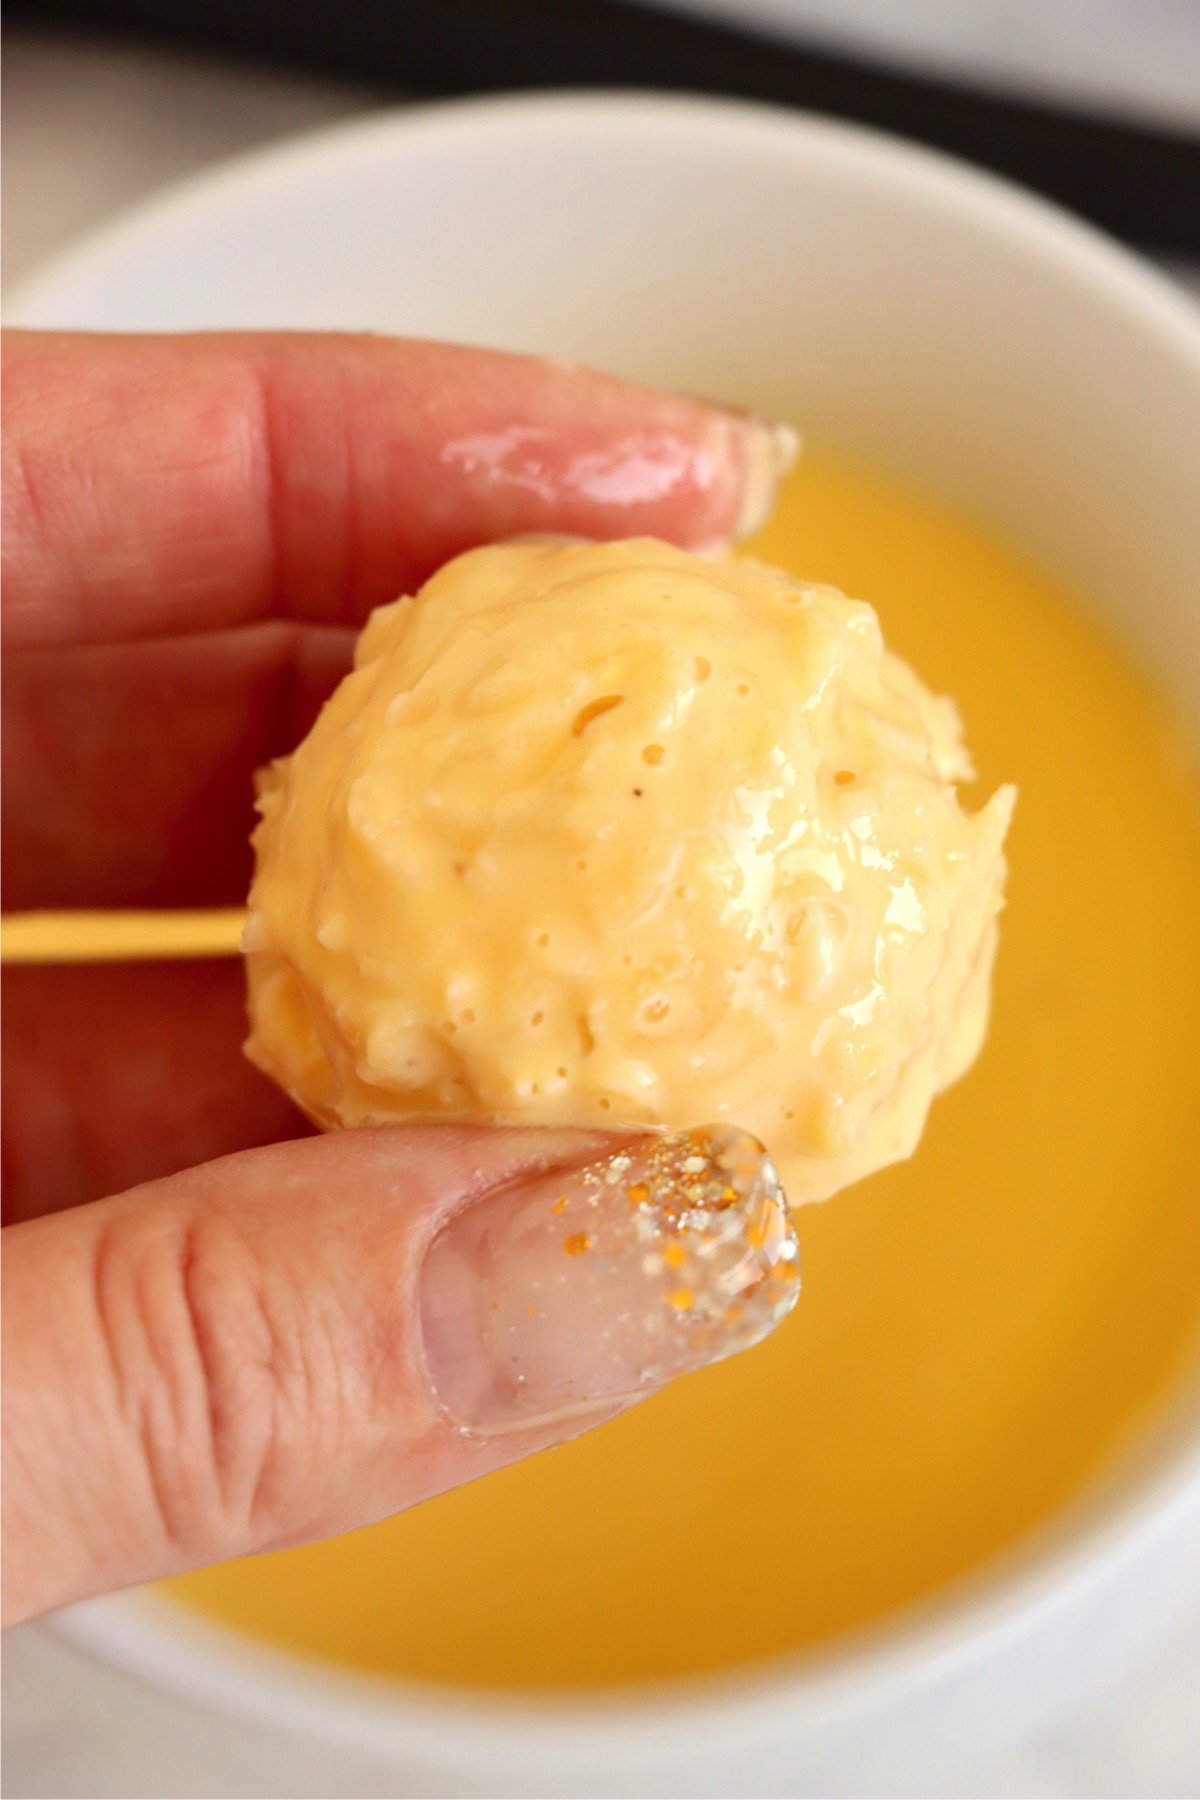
[{"x": 1137, "y": 181}]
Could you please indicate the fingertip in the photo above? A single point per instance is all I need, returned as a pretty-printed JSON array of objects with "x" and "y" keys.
[
  {"x": 559, "y": 1297},
  {"x": 770, "y": 450}
]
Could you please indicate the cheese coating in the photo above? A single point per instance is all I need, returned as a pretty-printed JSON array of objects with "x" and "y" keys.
[{"x": 611, "y": 834}]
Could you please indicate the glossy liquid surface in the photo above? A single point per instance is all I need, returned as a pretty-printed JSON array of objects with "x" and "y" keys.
[{"x": 979, "y": 1329}]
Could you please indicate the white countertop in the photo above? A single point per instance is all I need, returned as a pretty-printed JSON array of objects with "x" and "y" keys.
[{"x": 89, "y": 130}]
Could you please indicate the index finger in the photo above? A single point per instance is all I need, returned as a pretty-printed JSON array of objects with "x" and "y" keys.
[{"x": 158, "y": 485}]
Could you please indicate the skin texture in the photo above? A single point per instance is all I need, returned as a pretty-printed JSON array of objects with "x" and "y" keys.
[
  {"x": 230, "y": 1360},
  {"x": 227, "y": 1357}
]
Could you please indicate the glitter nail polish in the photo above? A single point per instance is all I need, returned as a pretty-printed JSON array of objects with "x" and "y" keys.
[{"x": 580, "y": 1293}]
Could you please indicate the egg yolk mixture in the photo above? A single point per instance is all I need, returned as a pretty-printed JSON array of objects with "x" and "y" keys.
[{"x": 981, "y": 1328}]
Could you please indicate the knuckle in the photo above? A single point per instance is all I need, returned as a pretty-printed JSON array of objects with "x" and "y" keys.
[{"x": 215, "y": 1375}]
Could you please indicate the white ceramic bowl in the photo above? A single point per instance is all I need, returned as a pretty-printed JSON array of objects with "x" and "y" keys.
[{"x": 921, "y": 316}]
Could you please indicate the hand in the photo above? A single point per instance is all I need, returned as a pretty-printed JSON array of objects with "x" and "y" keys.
[{"x": 248, "y": 1344}]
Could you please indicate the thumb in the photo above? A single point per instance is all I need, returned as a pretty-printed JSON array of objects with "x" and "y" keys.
[{"x": 302, "y": 1339}]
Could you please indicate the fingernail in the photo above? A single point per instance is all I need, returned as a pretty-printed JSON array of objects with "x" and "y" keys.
[
  {"x": 574, "y": 1294},
  {"x": 770, "y": 450}
]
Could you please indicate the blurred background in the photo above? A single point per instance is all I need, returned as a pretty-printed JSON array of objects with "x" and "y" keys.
[{"x": 1095, "y": 103}]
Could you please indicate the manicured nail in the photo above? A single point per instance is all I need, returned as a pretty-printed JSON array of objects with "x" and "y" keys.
[
  {"x": 574, "y": 1294},
  {"x": 770, "y": 451}
]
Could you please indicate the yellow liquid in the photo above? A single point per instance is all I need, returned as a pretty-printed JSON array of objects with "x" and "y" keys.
[{"x": 979, "y": 1329}]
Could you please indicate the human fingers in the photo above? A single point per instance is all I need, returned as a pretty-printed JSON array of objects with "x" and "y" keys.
[
  {"x": 158, "y": 485},
  {"x": 114, "y": 1074},
  {"x": 302, "y": 1339},
  {"x": 127, "y": 768}
]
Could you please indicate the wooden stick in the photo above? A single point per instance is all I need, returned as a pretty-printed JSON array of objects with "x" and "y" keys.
[{"x": 82, "y": 937}]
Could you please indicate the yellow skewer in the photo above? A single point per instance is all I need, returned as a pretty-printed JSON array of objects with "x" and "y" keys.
[{"x": 62, "y": 937}]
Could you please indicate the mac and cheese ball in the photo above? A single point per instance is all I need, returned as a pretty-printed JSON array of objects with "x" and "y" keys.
[{"x": 614, "y": 835}]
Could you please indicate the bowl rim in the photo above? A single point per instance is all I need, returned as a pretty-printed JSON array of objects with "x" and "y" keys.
[
  {"x": 1062, "y": 237},
  {"x": 1149, "y": 1500}
]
